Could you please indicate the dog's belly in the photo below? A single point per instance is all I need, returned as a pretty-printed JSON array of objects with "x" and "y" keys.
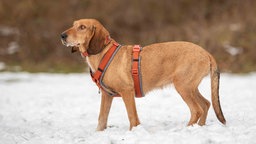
[{"x": 161, "y": 63}]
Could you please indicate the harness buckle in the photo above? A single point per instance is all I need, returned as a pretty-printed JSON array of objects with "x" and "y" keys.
[
  {"x": 136, "y": 48},
  {"x": 135, "y": 72}
]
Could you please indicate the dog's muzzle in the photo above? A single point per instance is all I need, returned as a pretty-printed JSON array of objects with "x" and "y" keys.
[
  {"x": 74, "y": 47},
  {"x": 64, "y": 38}
]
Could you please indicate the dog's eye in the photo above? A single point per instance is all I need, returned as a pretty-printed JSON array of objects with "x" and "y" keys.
[{"x": 81, "y": 27}]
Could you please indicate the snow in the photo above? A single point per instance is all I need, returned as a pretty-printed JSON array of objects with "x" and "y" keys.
[{"x": 63, "y": 109}]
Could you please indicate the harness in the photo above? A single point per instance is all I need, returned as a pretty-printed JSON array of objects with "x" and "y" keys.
[
  {"x": 136, "y": 73},
  {"x": 98, "y": 75}
]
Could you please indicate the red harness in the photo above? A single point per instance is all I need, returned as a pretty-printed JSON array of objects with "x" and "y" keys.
[
  {"x": 136, "y": 74},
  {"x": 98, "y": 75}
]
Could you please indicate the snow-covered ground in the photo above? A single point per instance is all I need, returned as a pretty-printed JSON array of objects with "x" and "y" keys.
[{"x": 63, "y": 109}]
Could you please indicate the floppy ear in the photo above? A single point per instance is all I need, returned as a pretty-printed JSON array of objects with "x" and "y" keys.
[
  {"x": 97, "y": 42},
  {"x": 89, "y": 35}
]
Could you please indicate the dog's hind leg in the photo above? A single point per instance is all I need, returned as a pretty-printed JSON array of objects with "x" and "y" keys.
[
  {"x": 106, "y": 102},
  {"x": 188, "y": 94},
  {"x": 205, "y": 104},
  {"x": 129, "y": 100}
]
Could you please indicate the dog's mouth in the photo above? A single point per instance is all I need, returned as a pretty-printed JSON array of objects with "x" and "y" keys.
[
  {"x": 74, "y": 46},
  {"x": 74, "y": 49}
]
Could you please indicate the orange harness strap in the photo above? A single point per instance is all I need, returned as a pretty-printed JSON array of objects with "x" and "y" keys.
[
  {"x": 136, "y": 71},
  {"x": 97, "y": 76}
]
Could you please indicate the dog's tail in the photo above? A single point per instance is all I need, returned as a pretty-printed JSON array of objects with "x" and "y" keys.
[{"x": 215, "y": 76}]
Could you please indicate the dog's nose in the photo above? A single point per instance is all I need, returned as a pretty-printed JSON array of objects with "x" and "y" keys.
[{"x": 63, "y": 36}]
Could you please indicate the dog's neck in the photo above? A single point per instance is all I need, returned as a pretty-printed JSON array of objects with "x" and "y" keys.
[{"x": 93, "y": 61}]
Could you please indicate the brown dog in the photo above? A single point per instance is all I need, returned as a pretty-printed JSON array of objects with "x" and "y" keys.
[{"x": 183, "y": 64}]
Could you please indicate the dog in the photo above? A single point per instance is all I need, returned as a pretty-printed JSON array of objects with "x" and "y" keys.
[{"x": 180, "y": 63}]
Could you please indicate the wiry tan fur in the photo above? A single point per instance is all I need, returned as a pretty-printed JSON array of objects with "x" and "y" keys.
[{"x": 183, "y": 64}]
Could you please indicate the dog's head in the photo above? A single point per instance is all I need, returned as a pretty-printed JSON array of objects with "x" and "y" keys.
[{"x": 86, "y": 35}]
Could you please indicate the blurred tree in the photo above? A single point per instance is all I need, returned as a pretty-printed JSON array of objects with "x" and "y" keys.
[{"x": 30, "y": 29}]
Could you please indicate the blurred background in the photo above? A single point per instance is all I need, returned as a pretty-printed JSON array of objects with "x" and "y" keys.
[{"x": 30, "y": 29}]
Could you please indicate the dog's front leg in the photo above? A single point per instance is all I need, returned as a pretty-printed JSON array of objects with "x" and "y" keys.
[
  {"x": 129, "y": 100},
  {"x": 105, "y": 105}
]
